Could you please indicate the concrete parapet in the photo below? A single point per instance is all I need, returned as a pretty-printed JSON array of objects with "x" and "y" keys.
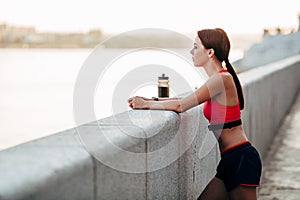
[
  {"x": 269, "y": 92},
  {"x": 55, "y": 167},
  {"x": 143, "y": 154}
]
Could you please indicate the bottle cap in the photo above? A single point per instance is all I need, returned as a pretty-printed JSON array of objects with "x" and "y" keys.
[{"x": 163, "y": 77}]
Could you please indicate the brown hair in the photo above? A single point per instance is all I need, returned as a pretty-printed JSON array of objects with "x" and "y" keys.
[{"x": 218, "y": 40}]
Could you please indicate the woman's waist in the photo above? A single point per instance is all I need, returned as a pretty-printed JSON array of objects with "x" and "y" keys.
[{"x": 229, "y": 138}]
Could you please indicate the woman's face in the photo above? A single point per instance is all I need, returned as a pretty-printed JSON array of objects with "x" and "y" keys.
[{"x": 199, "y": 53}]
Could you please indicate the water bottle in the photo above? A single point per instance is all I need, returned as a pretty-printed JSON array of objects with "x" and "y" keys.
[{"x": 163, "y": 86}]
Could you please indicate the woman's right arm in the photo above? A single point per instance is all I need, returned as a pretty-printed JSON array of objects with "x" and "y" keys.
[
  {"x": 213, "y": 87},
  {"x": 159, "y": 99},
  {"x": 167, "y": 99}
]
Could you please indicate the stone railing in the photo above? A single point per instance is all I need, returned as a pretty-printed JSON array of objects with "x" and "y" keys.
[{"x": 144, "y": 154}]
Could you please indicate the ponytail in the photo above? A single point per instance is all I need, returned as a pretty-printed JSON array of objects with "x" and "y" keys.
[{"x": 237, "y": 83}]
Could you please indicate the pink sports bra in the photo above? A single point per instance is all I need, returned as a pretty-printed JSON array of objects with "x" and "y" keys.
[{"x": 221, "y": 116}]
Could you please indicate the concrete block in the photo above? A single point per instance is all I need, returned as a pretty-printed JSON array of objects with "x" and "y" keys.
[
  {"x": 54, "y": 167},
  {"x": 119, "y": 152},
  {"x": 162, "y": 158}
]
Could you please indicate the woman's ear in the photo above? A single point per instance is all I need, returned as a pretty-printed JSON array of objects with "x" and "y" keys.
[{"x": 211, "y": 52}]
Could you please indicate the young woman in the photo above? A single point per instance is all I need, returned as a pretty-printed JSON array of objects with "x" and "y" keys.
[{"x": 239, "y": 170}]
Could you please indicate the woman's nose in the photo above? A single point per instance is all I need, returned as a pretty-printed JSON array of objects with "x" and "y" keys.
[{"x": 192, "y": 51}]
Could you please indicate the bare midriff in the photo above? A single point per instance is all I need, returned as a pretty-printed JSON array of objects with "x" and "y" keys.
[{"x": 230, "y": 137}]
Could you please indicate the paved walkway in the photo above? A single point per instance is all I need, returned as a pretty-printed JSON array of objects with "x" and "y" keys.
[{"x": 281, "y": 166}]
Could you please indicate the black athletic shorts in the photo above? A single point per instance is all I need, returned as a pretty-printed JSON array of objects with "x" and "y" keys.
[{"x": 240, "y": 165}]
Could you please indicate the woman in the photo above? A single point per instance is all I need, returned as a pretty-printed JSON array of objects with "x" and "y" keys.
[{"x": 239, "y": 170}]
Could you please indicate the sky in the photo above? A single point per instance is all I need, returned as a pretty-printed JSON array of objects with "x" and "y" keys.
[{"x": 234, "y": 16}]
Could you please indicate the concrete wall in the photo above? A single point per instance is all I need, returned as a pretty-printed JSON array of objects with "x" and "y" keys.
[
  {"x": 269, "y": 92},
  {"x": 144, "y": 154}
]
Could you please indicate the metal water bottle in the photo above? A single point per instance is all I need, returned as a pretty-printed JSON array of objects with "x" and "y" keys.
[{"x": 163, "y": 86}]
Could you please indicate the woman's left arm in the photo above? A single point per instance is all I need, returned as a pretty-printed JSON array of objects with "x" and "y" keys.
[{"x": 213, "y": 86}]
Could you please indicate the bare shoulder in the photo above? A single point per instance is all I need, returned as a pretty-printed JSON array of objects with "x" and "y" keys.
[
  {"x": 220, "y": 81},
  {"x": 226, "y": 78}
]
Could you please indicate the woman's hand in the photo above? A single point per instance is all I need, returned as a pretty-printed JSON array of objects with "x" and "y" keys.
[{"x": 138, "y": 102}]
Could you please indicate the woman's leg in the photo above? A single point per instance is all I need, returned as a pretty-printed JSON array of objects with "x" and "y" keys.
[
  {"x": 243, "y": 193},
  {"x": 215, "y": 190}
]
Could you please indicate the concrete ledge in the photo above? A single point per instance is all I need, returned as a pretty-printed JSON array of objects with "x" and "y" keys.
[
  {"x": 55, "y": 167},
  {"x": 269, "y": 91},
  {"x": 144, "y": 154}
]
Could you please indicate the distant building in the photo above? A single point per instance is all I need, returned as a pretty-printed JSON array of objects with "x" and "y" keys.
[
  {"x": 272, "y": 48},
  {"x": 13, "y": 36}
]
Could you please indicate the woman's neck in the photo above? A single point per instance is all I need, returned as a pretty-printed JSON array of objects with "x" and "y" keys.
[{"x": 213, "y": 67}]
